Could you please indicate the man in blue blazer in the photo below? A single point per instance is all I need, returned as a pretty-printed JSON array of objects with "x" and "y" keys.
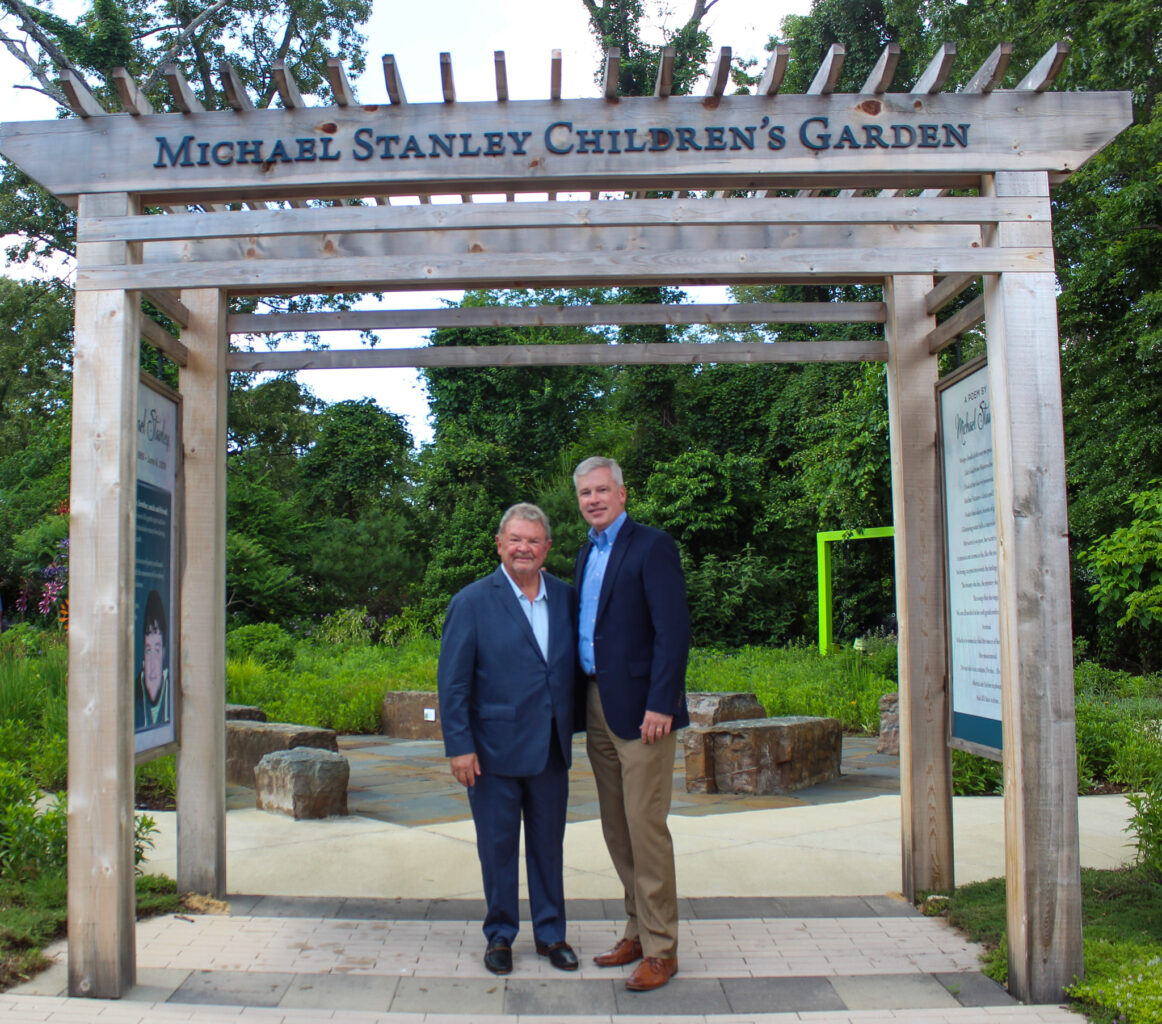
[
  {"x": 506, "y": 681},
  {"x": 633, "y": 641}
]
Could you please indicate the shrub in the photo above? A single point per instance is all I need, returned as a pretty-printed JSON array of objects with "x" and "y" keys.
[
  {"x": 33, "y": 836},
  {"x": 973, "y": 775},
  {"x": 264, "y": 642},
  {"x": 345, "y": 626},
  {"x": 1132, "y": 990}
]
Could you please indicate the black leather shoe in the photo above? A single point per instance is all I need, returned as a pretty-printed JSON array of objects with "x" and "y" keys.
[
  {"x": 560, "y": 955},
  {"x": 498, "y": 957}
]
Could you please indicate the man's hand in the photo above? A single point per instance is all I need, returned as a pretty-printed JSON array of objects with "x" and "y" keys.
[
  {"x": 466, "y": 767},
  {"x": 655, "y": 726}
]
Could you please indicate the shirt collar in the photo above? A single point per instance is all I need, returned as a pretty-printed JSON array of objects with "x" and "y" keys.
[
  {"x": 542, "y": 593},
  {"x": 607, "y": 536}
]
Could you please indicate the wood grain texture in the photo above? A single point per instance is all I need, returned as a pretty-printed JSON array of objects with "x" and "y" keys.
[
  {"x": 485, "y": 270},
  {"x": 201, "y": 775},
  {"x": 925, "y": 762},
  {"x": 560, "y": 316},
  {"x": 101, "y": 918},
  {"x": 245, "y": 224},
  {"x": 1042, "y": 856},
  {"x": 564, "y": 355},
  {"x": 1009, "y": 130}
]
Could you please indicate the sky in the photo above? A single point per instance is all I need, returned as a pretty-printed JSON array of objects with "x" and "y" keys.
[{"x": 470, "y": 30}]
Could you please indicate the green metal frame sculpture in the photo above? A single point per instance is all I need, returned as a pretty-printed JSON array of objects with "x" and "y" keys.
[{"x": 823, "y": 542}]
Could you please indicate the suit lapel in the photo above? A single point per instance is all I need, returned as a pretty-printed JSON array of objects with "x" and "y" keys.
[
  {"x": 616, "y": 557},
  {"x": 511, "y": 605}
]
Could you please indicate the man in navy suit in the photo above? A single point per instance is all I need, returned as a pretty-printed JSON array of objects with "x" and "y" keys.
[
  {"x": 506, "y": 681},
  {"x": 633, "y": 641}
]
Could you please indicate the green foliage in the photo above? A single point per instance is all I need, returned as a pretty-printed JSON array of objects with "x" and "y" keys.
[
  {"x": 1121, "y": 917},
  {"x": 33, "y": 835},
  {"x": 265, "y": 642},
  {"x": 155, "y": 784},
  {"x": 344, "y": 626},
  {"x": 796, "y": 681},
  {"x": 973, "y": 775},
  {"x": 1127, "y": 564},
  {"x": 736, "y": 600}
]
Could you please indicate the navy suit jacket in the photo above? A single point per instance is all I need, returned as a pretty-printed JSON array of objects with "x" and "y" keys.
[
  {"x": 642, "y": 636},
  {"x": 499, "y": 696}
]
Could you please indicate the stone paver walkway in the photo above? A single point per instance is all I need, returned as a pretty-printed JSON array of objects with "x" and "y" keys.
[{"x": 767, "y": 961}]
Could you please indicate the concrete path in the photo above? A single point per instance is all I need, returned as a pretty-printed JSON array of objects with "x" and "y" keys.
[{"x": 788, "y": 914}]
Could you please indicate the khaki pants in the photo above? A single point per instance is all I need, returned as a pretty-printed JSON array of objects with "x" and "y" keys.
[{"x": 634, "y": 783}]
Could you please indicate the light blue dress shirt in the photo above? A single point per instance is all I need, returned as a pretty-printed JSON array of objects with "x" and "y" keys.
[
  {"x": 591, "y": 581},
  {"x": 536, "y": 611}
]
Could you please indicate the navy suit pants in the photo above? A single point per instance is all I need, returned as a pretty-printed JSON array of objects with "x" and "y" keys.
[{"x": 499, "y": 803}]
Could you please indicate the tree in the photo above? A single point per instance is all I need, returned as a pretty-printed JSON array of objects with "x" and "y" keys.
[
  {"x": 144, "y": 36},
  {"x": 35, "y": 380}
]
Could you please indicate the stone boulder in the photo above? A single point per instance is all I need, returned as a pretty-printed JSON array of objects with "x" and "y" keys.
[
  {"x": 763, "y": 755},
  {"x": 712, "y": 708},
  {"x": 889, "y": 724},
  {"x": 411, "y": 715},
  {"x": 305, "y": 782},
  {"x": 244, "y": 713},
  {"x": 248, "y": 742}
]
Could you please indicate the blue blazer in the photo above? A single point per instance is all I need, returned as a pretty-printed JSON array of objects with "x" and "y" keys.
[
  {"x": 499, "y": 697},
  {"x": 642, "y": 637}
]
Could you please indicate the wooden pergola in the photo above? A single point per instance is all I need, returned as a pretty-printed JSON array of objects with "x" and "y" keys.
[{"x": 191, "y": 207}]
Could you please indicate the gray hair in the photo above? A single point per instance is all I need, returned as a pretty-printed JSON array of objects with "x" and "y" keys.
[
  {"x": 598, "y": 462},
  {"x": 529, "y": 513}
]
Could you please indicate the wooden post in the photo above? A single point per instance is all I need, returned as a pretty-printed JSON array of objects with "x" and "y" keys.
[
  {"x": 1042, "y": 859},
  {"x": 202, "y": 754},
  {"x": 925, "y": 762},
  {"x": 101, "y": 909}
]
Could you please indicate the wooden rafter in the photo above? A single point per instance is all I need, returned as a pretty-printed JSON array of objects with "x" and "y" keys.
[
  {"x": 674, "y": 353},
  {"x": 560, "y": 316}
]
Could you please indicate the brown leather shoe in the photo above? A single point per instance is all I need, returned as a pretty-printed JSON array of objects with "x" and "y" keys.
[
  {"x": 625, "y": 951},
  {"x": 653, "y": 972}
]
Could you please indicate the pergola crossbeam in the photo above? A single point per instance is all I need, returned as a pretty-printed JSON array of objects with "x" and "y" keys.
[
  {"x": 947, "y": 290},
  {"x": 559, "y": 316},
  {"x": 163, "y": 341},
  {"x": 964, "y": 319},
  {"x": 669, "y": 354}
]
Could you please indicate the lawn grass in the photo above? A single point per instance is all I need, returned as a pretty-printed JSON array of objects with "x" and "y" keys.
[
  {"x": 33, "y": 914},
  {"x": 1122, "y": 926}
]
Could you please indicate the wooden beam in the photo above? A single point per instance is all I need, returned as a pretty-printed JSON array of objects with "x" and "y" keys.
[
  {"x": 168, "y": 302},
  {"x": 129, "y": 92},
  {"x": 341, "y": 90},
  {"x": 284, "y": 82},
  {"x": 934, "y": 76},
  {"x": 80, "y": 99},
  {"x": 501, "y": 76},
  {"x": 720, "y": 76},
  {"x": 447, "y": 85},
  {"x": 885, "y": 70},
  {"x": 664, "y": 83},
  {"x": 1042, "y": 858},
  {"x": 163, "y": 341},
  {"x": 1057, "y": 133},
  {"x": 827, "y": 77},
  {"x": 201, "y": 763},
  {"x": 101, "y": 901},
  {"x": 179, "y": 89},
  {"x": 629, "y": 213},
  {"x": 925, "y": 760},
  {"x": 555, "y": 75},
  {"x": 677, "y": 353},
  {"x": 232, "y": 85},
  {"x": 558, "y": 316},
  {"x": 391, "y": 79},
  {"x": 946, "y": 290},
  {"x": 484, "y": 270},
  {"x": 775, "y": 71},
  {"x": 1042, "y": 74},
  {"x": 943, "y": 335},
  {"x": 992, "y": 72},
  {"x": 612, "y": 70}
]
